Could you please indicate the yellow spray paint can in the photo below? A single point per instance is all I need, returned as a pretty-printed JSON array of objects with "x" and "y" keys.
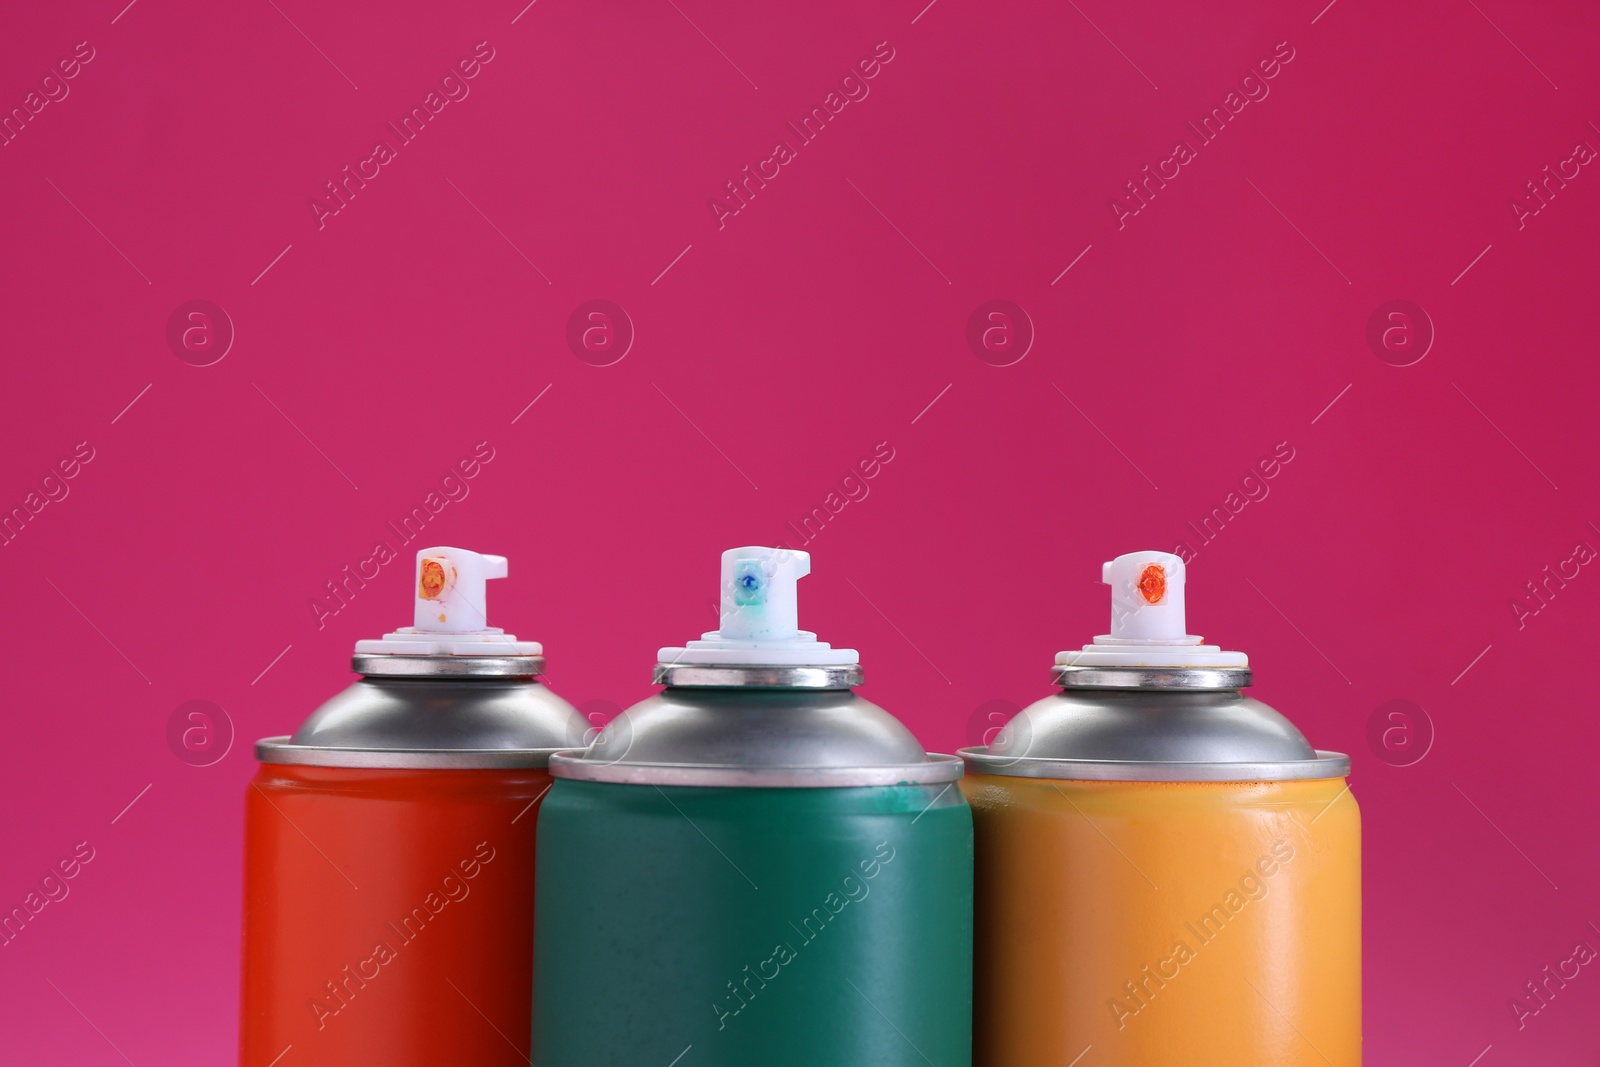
[{"x": 1167, "y": 872}]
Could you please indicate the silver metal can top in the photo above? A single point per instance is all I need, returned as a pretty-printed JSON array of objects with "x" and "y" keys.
[
  {"x": 1153, "y": 725},
  {"x": 758, "y": 676},
  {"x": 1078, "y": 677},
  {"x": 392, "y": 666},
  {"x": 718, "y": 733},
  {"x": 1151, "y": 702},
  {"x": 435, "y": 712},
  {"x": 758, "y": 703}
]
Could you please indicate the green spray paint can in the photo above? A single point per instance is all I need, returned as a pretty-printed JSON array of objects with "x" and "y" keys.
[{"x": 754, "y": 866}]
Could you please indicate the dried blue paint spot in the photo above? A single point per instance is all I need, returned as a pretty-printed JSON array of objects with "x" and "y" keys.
[{"x": 749, "y": 584}]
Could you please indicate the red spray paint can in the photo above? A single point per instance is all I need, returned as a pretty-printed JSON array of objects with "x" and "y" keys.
[{"x": 389, "y": 846}]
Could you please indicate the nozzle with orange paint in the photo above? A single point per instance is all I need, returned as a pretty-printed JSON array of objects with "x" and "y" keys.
[
  {"x": 1148, "y": 620},
  {"x": 451, "y": 616}
]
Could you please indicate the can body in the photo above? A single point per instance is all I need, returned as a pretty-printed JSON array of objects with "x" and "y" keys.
[
  {"x": 388, "y": 915},
  {"x": 1204, "y": 923},
  {"x": 790, "y": 927}
]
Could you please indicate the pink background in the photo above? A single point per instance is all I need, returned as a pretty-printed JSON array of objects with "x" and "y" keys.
[{"x": 1229, "y": 315}]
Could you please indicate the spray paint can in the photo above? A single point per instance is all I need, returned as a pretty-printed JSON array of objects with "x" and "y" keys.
[
  {"x": 755, "y": 865},
  {"x": 389, "y": 846},
  {"x": 1167, "y": 872}
]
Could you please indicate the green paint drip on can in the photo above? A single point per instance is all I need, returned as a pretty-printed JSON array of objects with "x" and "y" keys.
[{"x": 787, "y": 927}]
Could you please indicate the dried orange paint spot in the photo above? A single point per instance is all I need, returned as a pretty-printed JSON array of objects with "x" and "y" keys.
[
  {"x": 432, "y": 583},
  {"x": 1153, "y": 584}
]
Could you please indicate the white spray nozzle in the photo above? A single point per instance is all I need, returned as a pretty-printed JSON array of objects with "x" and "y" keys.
[
  {"x": 1147, "y": 619},
  {"x": 451, "y": 583},
  {"x": 450, "y": 616},
  {"x": 760, "y": 593},
  {"x": 760, "y": 616}
]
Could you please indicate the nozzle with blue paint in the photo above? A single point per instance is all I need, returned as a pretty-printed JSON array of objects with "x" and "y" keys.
[{"x": 760, "y": 616}]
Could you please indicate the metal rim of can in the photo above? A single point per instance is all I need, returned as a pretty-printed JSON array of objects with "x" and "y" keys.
[
  {"x": 937, "y": 769},
  {"x": 388, "y": 665},
  {"x": 282, "y": 750},
  {"x": 1326, "y": 765},
  {"x": 1083, "y": 677},
  {"x": 757, "y": 676}
]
